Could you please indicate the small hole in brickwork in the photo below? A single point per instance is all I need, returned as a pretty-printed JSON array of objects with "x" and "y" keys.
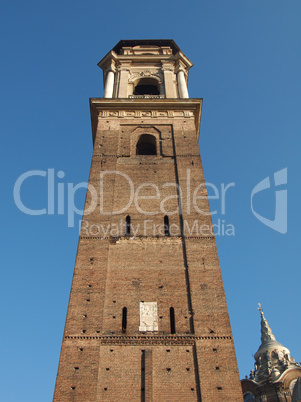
[
  {"x": 76, "y": 368},
  {"x": 97, "y": 332},
  {"x": 80, "y": 349},
  {"x": 89, "y": 286},
  {"x": 187, "y": 368},
  {"x": 114, "y": 301},
  {"x": 87, "y": 300},
  {"x": 105, "y": 389},
  {"x": 168, "y": 369},
  {"x": 192, "y": 389},
  {"x": 111, "y": 350},
  {"x": 72, "y": 387},
  {"x": 91, "y": 259},
  {"x": 83, "y": 331},
  {"x": 211, "y": 331},
  {"x": 161, "y": 316},
  {"x": 214, "y": 350},
  {"x": 216, "y": 368},
  {"x": 187, "y": 350},
  {"x": 160, "y": 287},
  {"x": 114, "y": 316},
  {"x": 192, "y": 163},
  {"x": 185, "y": 316},
  {"x": 219, "y": 388},
  {"x": 107, "y": 369},
  {"x": 167, "y": 350},
  {"x": 85, "y": 315}
]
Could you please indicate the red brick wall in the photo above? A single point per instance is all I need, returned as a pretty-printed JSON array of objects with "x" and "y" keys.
[{"x": 180, "y": 272}]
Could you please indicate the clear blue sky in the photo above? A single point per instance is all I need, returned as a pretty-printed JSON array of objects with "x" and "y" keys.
[{"x": 247, "y": 65}]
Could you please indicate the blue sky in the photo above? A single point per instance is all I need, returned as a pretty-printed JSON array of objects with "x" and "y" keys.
[{"x": 247, "y": 65}]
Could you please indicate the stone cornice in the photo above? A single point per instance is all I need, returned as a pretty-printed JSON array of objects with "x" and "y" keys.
[
  {"x": 140, "y": 106},
  {"x": 151, "y": 239},
  {"x": 187, "y": 340}
]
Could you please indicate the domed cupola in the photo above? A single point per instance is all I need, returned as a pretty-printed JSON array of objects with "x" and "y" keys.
[
  {"x": 276, "y": 377},
  {"x": 272, "y": 358}
]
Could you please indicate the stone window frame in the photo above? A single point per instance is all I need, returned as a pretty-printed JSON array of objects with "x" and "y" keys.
[
  {"x": 136, "y": 134},
  {"x": 136, "y": 77}
]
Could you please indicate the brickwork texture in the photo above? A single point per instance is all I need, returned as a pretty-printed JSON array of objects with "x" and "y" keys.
[{"x": 104, "y": 356}]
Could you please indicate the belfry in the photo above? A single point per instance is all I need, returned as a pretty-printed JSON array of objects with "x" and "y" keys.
[{"x": 147, "y": 317}]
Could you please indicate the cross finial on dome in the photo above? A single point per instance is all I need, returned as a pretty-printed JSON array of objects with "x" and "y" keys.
[
  {"x": 266, "y": 332},
  {"x": 260, "y": 309}
]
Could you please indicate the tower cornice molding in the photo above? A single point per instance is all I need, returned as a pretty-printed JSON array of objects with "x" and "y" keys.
[
  {"x": 148, "y": 239},
  {"x": 119, "y": 107},
  {"x": 148, "y": 339}
]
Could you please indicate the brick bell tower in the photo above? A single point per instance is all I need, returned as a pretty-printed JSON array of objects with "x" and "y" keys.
[{"x": 147, "y": 317}]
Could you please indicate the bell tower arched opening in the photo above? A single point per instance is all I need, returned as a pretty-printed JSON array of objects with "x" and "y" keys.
[{"x": 147, "y": 86}]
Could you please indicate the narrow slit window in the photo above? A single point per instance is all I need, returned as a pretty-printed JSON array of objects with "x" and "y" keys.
[
  {"x": 142, "y": 375},
  {"x": 128, "y": 226},
  {"x": 124, "y": 319},
  {"x": 172, "y": 320},
  {"x": 166, "y": 226}
]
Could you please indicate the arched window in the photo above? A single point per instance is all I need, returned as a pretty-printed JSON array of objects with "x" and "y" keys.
[
  {"x": 124, "y": 319},
  {"x": 172, "y": 320},
  {"x": 147, "y": 86},
  {"x": 128, "y": 226},
  {"x": 166, "y": 226},
  {"x": 146, "y": 145}
]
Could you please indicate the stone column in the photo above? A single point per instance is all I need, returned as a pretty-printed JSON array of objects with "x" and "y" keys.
[
  {"x": 170, "y": 87},
  {"x": 108, "y": 92},
  {"x": 182, "y": 84},
  {"x": 124, "y": 74}
]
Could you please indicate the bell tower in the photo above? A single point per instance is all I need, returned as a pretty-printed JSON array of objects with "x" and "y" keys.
[
  {"x": 145, "y": 70},
  {"x": 147, "y": 317}
]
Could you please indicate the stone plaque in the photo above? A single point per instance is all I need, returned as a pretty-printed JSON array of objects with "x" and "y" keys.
[{"x": 148, "y": 316}]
